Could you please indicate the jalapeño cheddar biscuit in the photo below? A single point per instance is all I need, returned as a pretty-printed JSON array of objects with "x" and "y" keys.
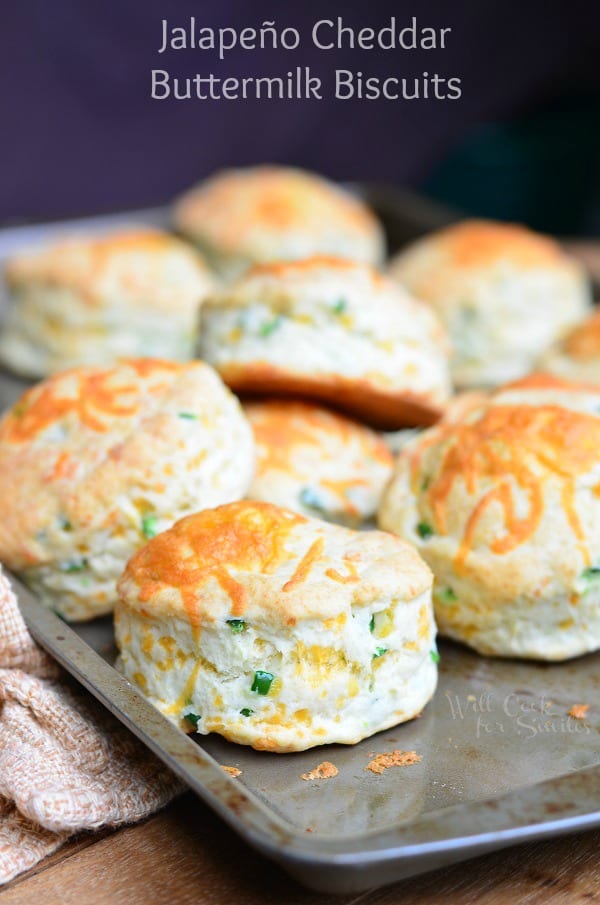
[
  {"x": 503, "y": 293},
  {"x": 94, "y": 461},
  {"x": 334, "y": 331},
  {"x": 278, "y": 631},
  {"x": 577, "y": 356},
  {"x": 92, "y": 300},
  {"x": 268, "y": 213},
  {"x": 504, "y": 505},
  {"x": 316, "y": 462}
]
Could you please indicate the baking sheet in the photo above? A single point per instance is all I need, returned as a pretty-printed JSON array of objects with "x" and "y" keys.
[{"x": 501, "y": 759}]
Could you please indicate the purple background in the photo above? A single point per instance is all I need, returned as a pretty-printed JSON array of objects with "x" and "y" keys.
[{"x": 80, "y": 133}]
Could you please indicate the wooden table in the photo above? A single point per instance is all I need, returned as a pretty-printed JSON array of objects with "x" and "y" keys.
[{"x": 185, "y": 854}]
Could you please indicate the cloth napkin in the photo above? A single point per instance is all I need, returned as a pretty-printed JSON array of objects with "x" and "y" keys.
[{"x": 66, "y": 764}]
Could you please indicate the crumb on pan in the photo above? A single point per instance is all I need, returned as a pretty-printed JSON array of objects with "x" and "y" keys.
[
  {"x": 233, "y": 771},
  {"x": 326, "y": 770},
  {"x": 394, "y": 758},
  {"x": 578, "y": 711}
]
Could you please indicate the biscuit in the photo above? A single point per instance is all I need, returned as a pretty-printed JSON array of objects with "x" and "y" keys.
[
  {"x": 577, "y": 355},
  {"x": 333, "y": 331},
  {"x": 504, "y": 294},
  {"x": 95, "y": 461},
  {"x": 278, "y": 631},
  {"x": 315, "y": 462},
  {"x": 252, "y": 216},
  {"x": 93, "y": 300},
  {"x": 504, "y": 507}
]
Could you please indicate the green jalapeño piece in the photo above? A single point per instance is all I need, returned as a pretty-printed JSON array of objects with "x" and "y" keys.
[
  {"x": 262, "y": 681},
  {"x": 237, "y": 626},
  {"x": 149, "y": 526},
  {"x": 193, "y": 718}
]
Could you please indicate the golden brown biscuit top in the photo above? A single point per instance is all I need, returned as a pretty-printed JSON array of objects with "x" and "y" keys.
[
  {"x": 462, "y": 403},
  {"x": 96, "y": 397},
  {"x": 479, "y": 243},
  {"x": 281, "y": 269},
  {"x": 279, "y": 426},
  {"x": 136, "y": 261},
  {"x": 244, "y": 536},
  {"x": 265, "y": 558},
  {"x": 271, "y": 198},
  {"x": 319, "y": 280},
  {"x": 497, "y": 453},
  {"x": 98, "y": 449},
  {"x": 583, "y": 343},
  {"x": 550, "y": 382}
]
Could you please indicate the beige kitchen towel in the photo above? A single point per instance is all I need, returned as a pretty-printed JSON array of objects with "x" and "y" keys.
[{"x": 66, "y": 764}]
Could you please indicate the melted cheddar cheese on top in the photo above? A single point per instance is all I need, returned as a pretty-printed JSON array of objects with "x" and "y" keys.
[{"x": 317, "y": 462}]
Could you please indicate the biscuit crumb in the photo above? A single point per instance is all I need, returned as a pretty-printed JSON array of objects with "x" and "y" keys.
[
  {"x": 578, "y": 711},
  {"x": 233, "y": 771},
  {"x": 394, "y": 758},
  {"x": 326, "y": 770}
]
